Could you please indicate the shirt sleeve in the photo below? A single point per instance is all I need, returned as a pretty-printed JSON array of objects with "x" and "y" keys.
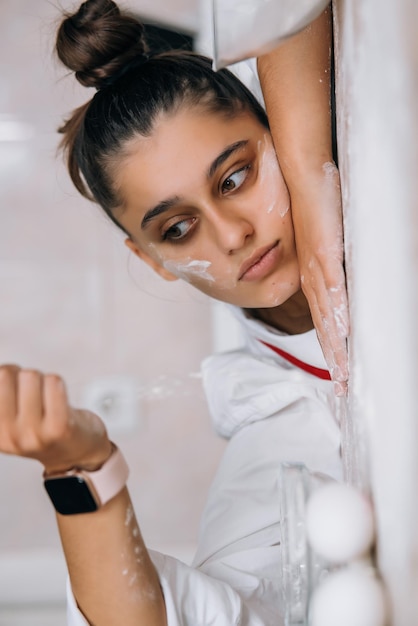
[
  {"x": 74, "y": 615},
  {"x": 194, "y": 597},
  {"x": 241, "y": 388}
]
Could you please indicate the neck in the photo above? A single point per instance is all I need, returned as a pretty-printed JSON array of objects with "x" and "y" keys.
[{"x": 292, "y": 317}]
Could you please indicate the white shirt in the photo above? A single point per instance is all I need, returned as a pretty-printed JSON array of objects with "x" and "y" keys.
[{"x": 271, "y": 412}]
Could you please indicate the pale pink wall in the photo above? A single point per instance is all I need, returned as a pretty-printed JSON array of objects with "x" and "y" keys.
[{"x": 74, "y": 302}]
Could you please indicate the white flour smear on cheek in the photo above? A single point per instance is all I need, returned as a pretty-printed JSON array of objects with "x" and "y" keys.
[
  {"x": 270, "y": 178},
  {"x": 187, "y": 269},
  {"x": 190, "y": 268},
  {"x": 199, "y": 269}
]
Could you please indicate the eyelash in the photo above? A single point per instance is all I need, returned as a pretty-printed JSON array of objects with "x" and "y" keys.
[
  {"x": 165, "y": 235},
  {"x": 177, "y": 240},
  {"x": 244, "y": 170}
]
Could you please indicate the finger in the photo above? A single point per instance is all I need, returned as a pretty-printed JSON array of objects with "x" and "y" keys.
[
  {"x": 30, "y": 413},
  {"x": 321, "y": 332},
  {"x": 8, "y": 393},
  {"x": 330, "y": 316},
  {"x": 338, "y": 308},
  {"x": 30, "y": 403},
  {"x": 340, "y": 388},
  {"x": 338, "y": 301},
  {"x": 57, "y": 414},
  {"x": 332, "y": 345},
  {"x": 339, "y": 305},
  {"x": 335, "y": 348},
  {"x": 327, "y": 280},
  {"x": 315, "y": 295}
]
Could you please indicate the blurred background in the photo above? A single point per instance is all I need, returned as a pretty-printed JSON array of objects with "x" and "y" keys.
[
  {"x": 74, "y": 301},
  {"x": 130, "y": 345}
]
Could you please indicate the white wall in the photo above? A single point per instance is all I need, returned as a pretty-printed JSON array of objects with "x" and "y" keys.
[{"x": 377, "y": 92}]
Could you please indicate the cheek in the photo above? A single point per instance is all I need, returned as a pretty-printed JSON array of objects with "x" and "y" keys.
[
  {"x": 271, "y": 188},
  {"x": 191, "y": 270},
  {"x": 186, "y": 268},
  {"x": 206, "y": 276},
  {"x": 211, "y": 277}
]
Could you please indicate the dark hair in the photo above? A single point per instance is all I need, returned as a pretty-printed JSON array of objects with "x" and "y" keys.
[{"x": 106, "y": 49}]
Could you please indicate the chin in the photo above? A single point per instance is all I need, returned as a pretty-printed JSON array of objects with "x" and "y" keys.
[
  {"x": 269, "y": 297},
  {"x": 258, "y": 303},
  {"x": 277, "y": 296}
]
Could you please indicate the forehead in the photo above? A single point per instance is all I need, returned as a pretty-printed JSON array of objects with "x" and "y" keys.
[{"x": 180, "y": 150}]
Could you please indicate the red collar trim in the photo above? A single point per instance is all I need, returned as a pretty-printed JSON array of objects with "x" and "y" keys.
[{"x": 315, "y": 371}]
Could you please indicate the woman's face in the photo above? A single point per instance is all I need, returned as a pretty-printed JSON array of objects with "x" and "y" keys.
[{"x": 205, "y": 201}]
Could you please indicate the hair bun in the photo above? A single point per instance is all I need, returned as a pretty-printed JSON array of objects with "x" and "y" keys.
[{"x": 98, "y": 40}]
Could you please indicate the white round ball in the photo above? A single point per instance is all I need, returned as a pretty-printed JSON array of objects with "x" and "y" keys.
[
  {"x": 339, "y": 523},
  {"x": 352, "y": 596}
]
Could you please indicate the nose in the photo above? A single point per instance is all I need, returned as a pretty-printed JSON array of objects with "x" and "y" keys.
[{"x": 232, "y": 228}]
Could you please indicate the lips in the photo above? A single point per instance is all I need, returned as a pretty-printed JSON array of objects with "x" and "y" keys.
[{"x": 259, "y": 263}]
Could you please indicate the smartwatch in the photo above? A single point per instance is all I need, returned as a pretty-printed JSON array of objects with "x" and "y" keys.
[{"x": 80, "y": 491}]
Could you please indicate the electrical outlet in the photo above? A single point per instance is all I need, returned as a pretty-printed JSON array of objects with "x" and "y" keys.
[{"x": 116, "y": 400}]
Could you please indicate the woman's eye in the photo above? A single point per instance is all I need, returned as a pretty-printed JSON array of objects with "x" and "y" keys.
[
  {"x": 179, "y": 230},
  {"x": 235, "y": 180}
]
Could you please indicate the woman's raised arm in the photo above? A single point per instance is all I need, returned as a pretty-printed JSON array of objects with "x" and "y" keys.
[
  {"x": 111, "y": 573},
  {"x": 296, "y": 83}
]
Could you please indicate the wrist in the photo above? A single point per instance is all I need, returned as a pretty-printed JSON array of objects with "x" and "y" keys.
[
  {"x": 95, "y": 461},
  {"x": 313, "y": 182},
  {"x": 78, "y": 490},
  {"x": 90, "y": 462},
  {"x": 307, "y": 165}
]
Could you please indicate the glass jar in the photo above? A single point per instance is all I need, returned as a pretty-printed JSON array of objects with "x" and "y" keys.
[{"x": 302, "y": 569}]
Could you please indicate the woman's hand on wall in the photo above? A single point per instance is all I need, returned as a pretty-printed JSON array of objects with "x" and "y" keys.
[
  {"x": 316, "y": 212},
  {"x": 296, "y": 83},
  {"x": 36, "y": 421}
]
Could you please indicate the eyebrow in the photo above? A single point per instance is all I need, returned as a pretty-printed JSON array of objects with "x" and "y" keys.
[
  {"x": 159, "y": 208},
  {"x": 165, "y": 205},
  {"x": 225, "y": 154}
]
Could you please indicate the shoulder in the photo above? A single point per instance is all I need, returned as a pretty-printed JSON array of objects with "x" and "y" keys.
[
  {"x": 253, "y": 381},
  {"x": 242, "y": 388}
]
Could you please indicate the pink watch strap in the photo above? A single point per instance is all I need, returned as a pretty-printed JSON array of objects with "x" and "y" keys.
[{"x": 111, "y": 478}]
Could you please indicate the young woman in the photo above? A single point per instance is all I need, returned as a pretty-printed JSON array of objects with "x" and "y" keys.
[{"x": 182, "y": 159}]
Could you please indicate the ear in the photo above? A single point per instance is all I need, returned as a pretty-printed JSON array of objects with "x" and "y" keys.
[{"x": 159, "y": 269}]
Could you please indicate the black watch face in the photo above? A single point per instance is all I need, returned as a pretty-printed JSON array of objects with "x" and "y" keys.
[{"x": 70, "y": 495}]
